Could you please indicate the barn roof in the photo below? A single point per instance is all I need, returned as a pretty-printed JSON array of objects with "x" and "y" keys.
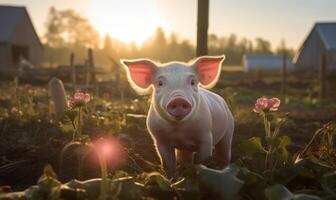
[
  {"x": 327, "y": 32},
  {"x": 9, "y": 18}
]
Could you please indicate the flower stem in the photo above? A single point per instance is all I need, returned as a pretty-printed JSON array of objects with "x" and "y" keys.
[
  {"x": 75, "y": 130},
  {"x": 266, "y": 125},
  {"x": 104, "y": 182},
  {"x": 79, "y": 124}
]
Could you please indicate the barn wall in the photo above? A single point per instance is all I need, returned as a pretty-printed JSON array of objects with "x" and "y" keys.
[
  {"x": 266, "y": 63},
  {"x": 331, "y": 60},
  {"x": 25, "y": 35},
  {"x": 5, "y": 55},
  {"x": 311, "y": 53}
]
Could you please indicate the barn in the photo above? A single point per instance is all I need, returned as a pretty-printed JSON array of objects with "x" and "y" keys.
[
  {"x": 321, "y": 40},
  {"x": 18, "y": 38},
  {"x": 265, "y": 63}
]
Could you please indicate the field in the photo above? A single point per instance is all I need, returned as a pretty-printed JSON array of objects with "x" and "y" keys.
[{"x": 296, "y": 163}]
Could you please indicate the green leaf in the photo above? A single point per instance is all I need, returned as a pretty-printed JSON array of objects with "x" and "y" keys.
[
  {"x": 283, "y": 141},
  {"x": 329, "y": 183},
  {"x": 66, "y": 127},
  {"x": 71, "y": 114},
  {"x": 252, "y": 146},
  {"x": 48, "y": 183},
  {"x": 280, "y": 192},
  {"x": 156, "y": 178},
  {"x": 127, "y": 188},
  {"x": 188, "y": 188},
  {"x": 91, "y": 186},
  {"x": 223, "y": 183},
  {"x": 254, "y": 185},
  {"x": 281, "y": 144},
  {"x": 119, "y": 174}
]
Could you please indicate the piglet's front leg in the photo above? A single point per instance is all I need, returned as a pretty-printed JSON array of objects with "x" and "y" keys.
[
  {"x": 167, "y": 157},
  {"x": 204, "y": 151}
]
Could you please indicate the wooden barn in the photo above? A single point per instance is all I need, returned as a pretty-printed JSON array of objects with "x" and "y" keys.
[
  {"x": 18, "y": 38},
  {"x": 321, "y": 40},
  {"x": 265, "y": 63}
]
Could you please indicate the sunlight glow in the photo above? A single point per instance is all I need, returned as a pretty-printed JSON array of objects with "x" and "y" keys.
[
  {"x": 127, "y": 20},
  {"x": 110, "y": 150}
]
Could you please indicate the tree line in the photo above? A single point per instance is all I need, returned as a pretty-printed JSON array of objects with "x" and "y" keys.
[{"x": 67, "y": 32}]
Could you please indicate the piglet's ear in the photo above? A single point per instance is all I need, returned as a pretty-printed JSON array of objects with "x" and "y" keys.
[
  {"x": 140, "y": 73},
  {"x": 208, "y": 69}
]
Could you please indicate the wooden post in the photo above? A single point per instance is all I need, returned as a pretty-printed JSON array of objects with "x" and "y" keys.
[
  {"x": 73, "y": 71},
  {"x": 322, "y": 91},
  {"x": 91, "y": 66},
  {"x": 284, "y": 75},
  {"x": 58, "y": 96},
  {"x": 87, "y": 75},
  {"x": 202, "y": 27}
]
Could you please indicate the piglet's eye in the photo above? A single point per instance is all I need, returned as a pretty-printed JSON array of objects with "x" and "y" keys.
[{"x": 160, "y": 83}]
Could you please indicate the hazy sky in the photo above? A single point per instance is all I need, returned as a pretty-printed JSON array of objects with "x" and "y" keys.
[{"x": 135, "y": 20}]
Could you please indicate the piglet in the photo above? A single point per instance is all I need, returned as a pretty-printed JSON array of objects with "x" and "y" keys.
[{"x": 185, "y": 120}]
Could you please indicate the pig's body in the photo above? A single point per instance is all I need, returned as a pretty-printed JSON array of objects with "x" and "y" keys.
[
  {"x": 183, "y": 116},
  {"x": 212, "y": 125}
]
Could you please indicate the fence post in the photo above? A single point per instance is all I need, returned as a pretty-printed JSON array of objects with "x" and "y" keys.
[
  {"x": 202, "y": 27},
  {"x": 58, "y": 96},
  {"x": 284, "y": 75},
  {"x": 322, "y": 74},
  {"x": 87, "y": 74},
  {"x": 91, "y": 66},
  {"x": 73, "y": 71}
]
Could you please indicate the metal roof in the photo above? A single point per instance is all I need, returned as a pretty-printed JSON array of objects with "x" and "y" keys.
[
  {"x": 327, "y": 32},
  {"x": 10, "y": 16}
]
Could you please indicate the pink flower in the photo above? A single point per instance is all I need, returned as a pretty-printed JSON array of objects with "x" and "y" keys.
[
  {"x": 79, "y": 99},
  {"x": 273, "y": 104},
  {"x": 264, "y": 104}
]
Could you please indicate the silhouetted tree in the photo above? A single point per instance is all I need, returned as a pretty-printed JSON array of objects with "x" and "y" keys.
[
  {"x": 107, "y": 44},
  {"x": 282, "y": 49},
  {"x": 263, "y": 47}
]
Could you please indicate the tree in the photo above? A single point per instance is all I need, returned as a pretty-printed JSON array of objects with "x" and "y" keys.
[
  {"x": 68, "y": 28},
  {"x": 173, "y": 48},
  {"x": 283, "y": 50},
  {"x": 263, "y": 47},
  {"x": 107, "y": 44},
  {"x": 156, "y": 46},
  {"x": 54, "y": 29},
  {"x": 67, "y": 32}
]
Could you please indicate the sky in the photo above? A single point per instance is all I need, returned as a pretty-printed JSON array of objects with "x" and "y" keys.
[{"x": 135, "y": 20}]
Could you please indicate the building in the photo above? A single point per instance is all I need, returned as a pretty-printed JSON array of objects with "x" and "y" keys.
[
  {"x": 18, "y": 38},
  {"x": 321, "y": 40},
  {"x": 265, "y": 63}
]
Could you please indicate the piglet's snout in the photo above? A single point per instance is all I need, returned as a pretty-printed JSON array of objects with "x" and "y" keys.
[{"x": 179, "y": 107}]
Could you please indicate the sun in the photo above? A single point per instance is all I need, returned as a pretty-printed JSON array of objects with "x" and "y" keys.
[{"x": 127, "y": 20}]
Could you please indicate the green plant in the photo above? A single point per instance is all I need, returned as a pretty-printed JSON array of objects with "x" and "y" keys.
[{"x": 274, "y": 152}]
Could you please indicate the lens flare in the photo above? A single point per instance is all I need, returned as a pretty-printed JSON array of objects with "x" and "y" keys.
[{"x": 110, "y": 149}]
